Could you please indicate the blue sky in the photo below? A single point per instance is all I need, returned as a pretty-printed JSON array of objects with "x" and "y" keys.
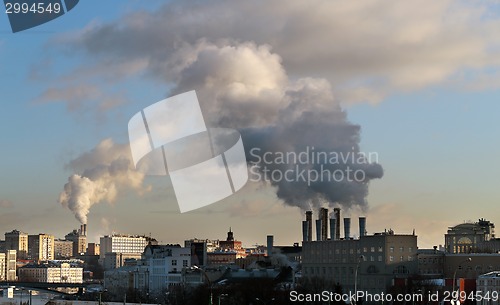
[{"x": 436, "y": 136}]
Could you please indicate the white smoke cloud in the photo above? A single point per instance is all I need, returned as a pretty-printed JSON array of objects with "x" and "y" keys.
[
  {"x": 367, "y": 50},
  {"x": 104, "y": 172}
]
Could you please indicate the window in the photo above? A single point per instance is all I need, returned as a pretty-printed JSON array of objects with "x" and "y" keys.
[
  {"x": 401, "y": 258},
  {"x": 380, "y": 258},
  {"x": 401, "y": 249},
  {"x": 391, "y": 258},
  {"x": 391, "y": 249},
  {"x": 365, "y": 249},
  {"x": 372, "y": 259},
  {"x": 410, "y": 249},
  {"x": 372, "y": 249},
  {"x": 410, "y": 258},
  {"x": 185, "y": 263},
  {"x": 174, "y": 262},
  {"x": 380, "y": 249}
]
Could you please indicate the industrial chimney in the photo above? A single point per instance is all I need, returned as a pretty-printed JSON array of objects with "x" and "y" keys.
[
  {"x": 318, "y": 229},
  {"x": 333, "y": 225},
  {"x": 270, "y": 242},
  {"x": 362, "y": 226},
  {"x": 305, "y": 230},
  {"x": 309, "y": 219},
  {"x": 323, "y": 215},
  {"x": 84, "y": 229},
  {"x": 347, "y": 228},
  {"x": 337, "y": 218}
]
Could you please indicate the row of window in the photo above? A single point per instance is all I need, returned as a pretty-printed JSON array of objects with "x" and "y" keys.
[{"x": 184, "y": 262}]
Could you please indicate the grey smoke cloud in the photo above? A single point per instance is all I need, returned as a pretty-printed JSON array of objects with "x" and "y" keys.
[
  {"x": 245, "y": 86},
  {"x": 101, "y": 175}
]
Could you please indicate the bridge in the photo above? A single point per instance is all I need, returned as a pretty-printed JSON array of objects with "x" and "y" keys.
[{"x": 51, "y": 287}]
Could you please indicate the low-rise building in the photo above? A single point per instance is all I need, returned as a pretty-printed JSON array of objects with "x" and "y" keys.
[
  {"x": 488, "y": 287},
  {"x": 113, "y": 260},
  {"x": 52, "y": 272},
  {"x": 160, "y": 267}
]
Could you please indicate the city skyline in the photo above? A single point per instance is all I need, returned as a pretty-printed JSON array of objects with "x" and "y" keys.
[{"x": 421, "y": 92}]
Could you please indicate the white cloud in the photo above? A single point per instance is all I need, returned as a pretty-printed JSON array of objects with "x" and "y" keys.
[{"x": 366, "y": 49}]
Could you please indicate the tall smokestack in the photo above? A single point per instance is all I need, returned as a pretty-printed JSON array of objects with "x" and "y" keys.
[
  {"x": 85, "y": 229},
  {"x": 318, "y": 229},
  {"x": 323, "y": 215},
  {"x": 270, "y": 242},
  {"x": 347, "y": 228},
  {"x": 337, "y": 218},
  {"x": 362, "y": 226},
  {"x": 309, "y": 219},
  {"x": 333, "y": 226},
  {"x": 81, "y": 230},
  {"x": 305, "y": 230}
]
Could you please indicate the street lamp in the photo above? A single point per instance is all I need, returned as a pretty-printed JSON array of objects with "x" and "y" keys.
[
  {"x": 360, "y": 259},
  {"x": 456, "y": 269},
  {"x": 210, "y": 301}
]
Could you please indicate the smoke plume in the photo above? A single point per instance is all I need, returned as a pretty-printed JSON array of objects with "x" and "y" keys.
[
  {"x": 104, "y": 172},
  {"x": 245, "y": 86}
]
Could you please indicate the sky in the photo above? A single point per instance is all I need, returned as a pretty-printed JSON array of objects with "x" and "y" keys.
[{"x": 416, "y": 84}]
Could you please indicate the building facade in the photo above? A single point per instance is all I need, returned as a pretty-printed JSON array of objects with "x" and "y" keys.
[
  {"x": 488, "y": 285},
  {"x": 52, "y": 272},
  {"x": 470, "y": 237},
  {"x": 41, "y": 247},
  {"x": 122, "y": 243},
  {"x": 373, "y": 262},
  {"x": 113, "y": 260},
  {"x": 79, "y": 239},
  {"x": 160, "y": 267},
  {"x": 17, "y": 240},
  {"x": 63, "y": 249}
]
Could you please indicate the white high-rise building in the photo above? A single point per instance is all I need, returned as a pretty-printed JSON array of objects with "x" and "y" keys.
[{"x": 121, "y": 243}]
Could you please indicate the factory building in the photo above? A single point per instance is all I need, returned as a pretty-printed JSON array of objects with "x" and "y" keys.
[
  {"x": 79, "y": 239},
  {"x": 374, "y": 262}
]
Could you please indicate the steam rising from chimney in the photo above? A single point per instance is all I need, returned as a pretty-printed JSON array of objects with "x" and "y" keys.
[{"x": 105, "y": 171}]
